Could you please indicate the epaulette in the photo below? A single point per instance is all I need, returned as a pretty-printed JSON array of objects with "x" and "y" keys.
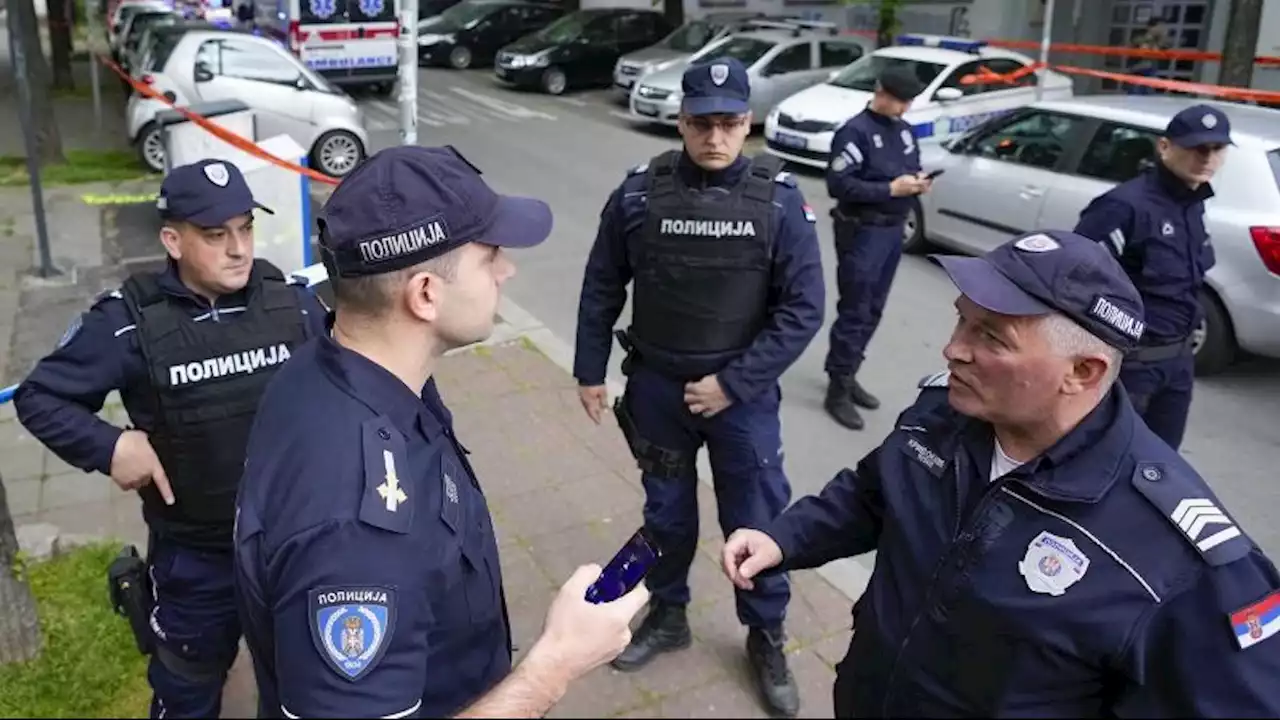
[
  {"x": 1190, "y": 506},
  {"x": 107, "y": 295},
  {"x": 936, "y": 380},
  {"x": 785, "y": 178},
  {"x": 639, "y": 169}
]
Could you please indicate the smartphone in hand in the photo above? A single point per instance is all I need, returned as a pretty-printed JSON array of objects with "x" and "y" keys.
[
  {"x": 935, "y": 173},
  {"x": 625, "y": 571}
]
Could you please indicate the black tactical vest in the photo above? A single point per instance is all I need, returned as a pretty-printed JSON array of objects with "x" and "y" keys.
[
  {"x": 703, "y": 263},
  {"x": 207, "y": 379}
]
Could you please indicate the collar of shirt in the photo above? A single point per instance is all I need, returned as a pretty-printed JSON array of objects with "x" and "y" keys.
[
  {"x": 1083, "y": 465},
  {"x": 382, "y": 392},
  {"x": 695, "y": 177},
  {"x": 881, "y": 119},
  {"x": 1177, "y": 189},
  {"x": 172, "y": 286}
]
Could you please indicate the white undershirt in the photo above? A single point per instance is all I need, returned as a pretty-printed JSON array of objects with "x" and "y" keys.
[{"x": 1001, "y": 464}]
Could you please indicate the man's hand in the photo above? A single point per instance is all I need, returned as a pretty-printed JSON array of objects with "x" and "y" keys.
[
  {"x": 926, "y": 183},
  {"x": 579, "y": 636},
  {"x": 705, "y": 397},
  {"x": 594, "y": 399},
  {"x": 905, "y": 185},
  {"x": 134, "y": 464},
  {"x": 748, "y": 553}
]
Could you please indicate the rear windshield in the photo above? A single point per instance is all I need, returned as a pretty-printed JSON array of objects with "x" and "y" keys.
[
  {"x": 329, "y": 12},
  {"x": 1273, "y": 158},
  {"x": 746, "y": 50},
  {"x": 161, "y": 48}
]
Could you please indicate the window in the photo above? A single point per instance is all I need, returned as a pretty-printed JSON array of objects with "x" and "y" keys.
[
  {"x": 690, "y": 37},
  {"x": 834, "y": 53},
  {"x": 247, "y": 61},
  {"x": 633, "y": 27},
  {"x": 1005, "y": 66},
  {"x": 864, "y": 72},
  {"x": 794, "y": 59},
  {"x": 323, "y": 12},
  {"x": 1117, "y": 152},
  {"x": 1037, "y": 139},
  {"x": 747, "y": 50},
  {"x": 1273, "y": 158}
]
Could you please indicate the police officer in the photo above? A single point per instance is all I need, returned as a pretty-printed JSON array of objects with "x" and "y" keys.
[
  {"x": 1039, "y": 551},
  {"x": 367, "y": 569},
  {"x": 873, "y": 176},
  {"x": 190, "y": 350},
  {"x": 728, "y": 293},
  {"x": 1154, "y": 224}
]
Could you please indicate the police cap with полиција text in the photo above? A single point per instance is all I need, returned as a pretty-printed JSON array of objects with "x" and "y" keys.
[{"x": 409, "y": 204}]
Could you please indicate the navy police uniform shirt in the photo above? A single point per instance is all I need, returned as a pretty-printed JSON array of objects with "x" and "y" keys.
[
  {"x": 1103, "y": 578},
  {"x": 367, "y": 569},
  {"x": 1154, "y": 225},
  {"x": 59, "y": 400},
  {"x": 867, "y": 153},
  {"x": 797, "y": 293}
]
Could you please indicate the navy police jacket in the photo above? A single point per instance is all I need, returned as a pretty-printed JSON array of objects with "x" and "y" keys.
[
  {"x": 367, "y": 573},
  {"x": 797, "y": 294},
  {"x": 1103, "y": 578},
  {"x": 867, "y": 153},
  {"x": 59, "y": 400},
  {"x": 1154, "y": 225}
]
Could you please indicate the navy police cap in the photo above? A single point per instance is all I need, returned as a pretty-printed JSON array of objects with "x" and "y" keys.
[
  {"x": 206, "y": 194},
  {"x": 1199, "y": 125},
  {"x": 716, "y": 87},
  {"x": 1041, "y": 272},
  {"x": 408, "y": 204}
]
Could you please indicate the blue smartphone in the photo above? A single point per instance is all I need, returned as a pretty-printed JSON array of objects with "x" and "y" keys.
[{"x": 625, "y": 571}]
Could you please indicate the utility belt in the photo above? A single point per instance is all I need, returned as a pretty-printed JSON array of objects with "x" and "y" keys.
[
  {"x": 650, "y": 458},
  {"x": 1160, "y": 353},
  {"x": 858, "y": 216}
]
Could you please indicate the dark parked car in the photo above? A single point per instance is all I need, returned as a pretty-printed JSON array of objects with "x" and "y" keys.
[
  {"x": 579, "y": 49},
  {"x": 472, "y": 32}
]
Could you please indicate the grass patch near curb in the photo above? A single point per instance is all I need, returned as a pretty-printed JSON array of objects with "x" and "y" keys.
[
  {"x": 82, "y": 166},
  {"x": 89, "y": 666}
]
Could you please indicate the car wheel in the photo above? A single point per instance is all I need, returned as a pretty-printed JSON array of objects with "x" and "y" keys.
[
  {"x": 913, "y": 241},
  {"x": 554, "y": 81},
  {"x": 1213, "y": 343},
  {"x": 460, "y": 58},
  {"x": 337, "y": 153},
  {"x": 151, "y": 149}
]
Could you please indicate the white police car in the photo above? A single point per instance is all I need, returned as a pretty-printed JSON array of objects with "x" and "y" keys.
[{"x": 799, "y": 129}]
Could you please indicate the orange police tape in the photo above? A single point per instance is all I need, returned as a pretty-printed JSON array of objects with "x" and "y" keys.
[
  {"x": 986, "y": 76},
  {"x": 1267, "y": 60},
  {"x": 218, "y": 131}
]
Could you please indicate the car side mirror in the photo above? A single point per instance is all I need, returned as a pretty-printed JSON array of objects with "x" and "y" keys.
[
  {"x": 832, "y": 75},
  {"x": 300, "y": 83},
  {"x": 948, "y": 94},
  {"x": 202, "y": 73}
]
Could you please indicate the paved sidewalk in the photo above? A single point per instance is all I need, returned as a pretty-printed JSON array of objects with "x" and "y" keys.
[{"x": 563, "y": 492}]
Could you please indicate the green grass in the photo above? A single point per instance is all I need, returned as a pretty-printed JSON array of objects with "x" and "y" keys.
[
  {"x": 90, "y": 666},
  {"x": 82, "y": 166}
]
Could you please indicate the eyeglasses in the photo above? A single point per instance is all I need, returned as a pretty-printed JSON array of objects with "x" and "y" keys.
[{"x": 703, "y": 124}]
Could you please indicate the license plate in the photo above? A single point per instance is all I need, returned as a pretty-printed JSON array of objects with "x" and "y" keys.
[
  {"x": 645, "y": 108},
  {"x": 791, "y": 141}
]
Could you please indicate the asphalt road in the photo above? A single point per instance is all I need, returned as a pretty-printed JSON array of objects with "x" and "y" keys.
[{"x": 572, "y": 151}]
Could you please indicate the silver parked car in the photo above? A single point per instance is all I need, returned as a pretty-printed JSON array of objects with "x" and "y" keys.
[
  {"x": 287, "y": 97},
  {"x": 686, "y": 40},
  {"x": 1039, "y": 166},
  {"x": 781, "y": 61}
]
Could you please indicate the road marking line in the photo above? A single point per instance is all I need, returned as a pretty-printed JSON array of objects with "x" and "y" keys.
[{"x": 518, "y": 112}]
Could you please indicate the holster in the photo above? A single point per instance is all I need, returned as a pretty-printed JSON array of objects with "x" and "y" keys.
[
  {"x": 128, "y": 587},
  {"x": 845, "y": 222},
  {"x": 650, "y": 458}
]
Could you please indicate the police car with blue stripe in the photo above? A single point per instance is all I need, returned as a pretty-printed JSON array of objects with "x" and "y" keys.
[{"x": 799, "y": 129}]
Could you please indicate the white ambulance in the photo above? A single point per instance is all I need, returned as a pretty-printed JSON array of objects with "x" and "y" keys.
[{"x": 349, "y": 42}]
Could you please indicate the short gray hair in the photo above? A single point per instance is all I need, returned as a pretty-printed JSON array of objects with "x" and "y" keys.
[{"x": 1068, "y": 339}]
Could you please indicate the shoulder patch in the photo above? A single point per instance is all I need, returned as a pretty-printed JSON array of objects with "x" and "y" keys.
[
  {"x": 936, "y": 380},
  {"x": 1254, "y": 623},
  {"x": 1197, "y": 516},
  {"x": 351, "y": 626},
  {"x": 388, "y": 501},
  {"x": 72, "y": 330},
  {"x": 785, "y": 179},
  {"x": 639, "y": 169}
]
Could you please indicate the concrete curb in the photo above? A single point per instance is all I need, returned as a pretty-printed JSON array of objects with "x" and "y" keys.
[{"x": 848, "y": 576}]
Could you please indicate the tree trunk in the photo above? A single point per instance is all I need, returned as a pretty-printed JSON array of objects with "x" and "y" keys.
[
  {"x": 59, "y": 22},
  {"x": 20, "y": 638},
  {"x": 22, "y": 18},
  {"x": 1241, "y": 43}
]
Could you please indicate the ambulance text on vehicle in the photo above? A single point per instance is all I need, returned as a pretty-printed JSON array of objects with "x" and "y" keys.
[
  {"x": 799, "y": 129},
  {"x": 349, "y": 42}
]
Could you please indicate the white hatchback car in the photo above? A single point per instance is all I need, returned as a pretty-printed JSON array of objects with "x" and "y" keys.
[
  {"x": 800, "y": 128},
  {"x": 287, "y": 97}
]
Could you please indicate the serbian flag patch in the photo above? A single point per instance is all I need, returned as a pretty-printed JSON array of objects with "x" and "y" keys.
[
  {"x": 809, "y": 215},
  {"x": 1257, "y": 622}
]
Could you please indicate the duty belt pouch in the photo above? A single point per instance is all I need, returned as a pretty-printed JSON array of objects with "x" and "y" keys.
[{"x": 129, "y": 591}]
